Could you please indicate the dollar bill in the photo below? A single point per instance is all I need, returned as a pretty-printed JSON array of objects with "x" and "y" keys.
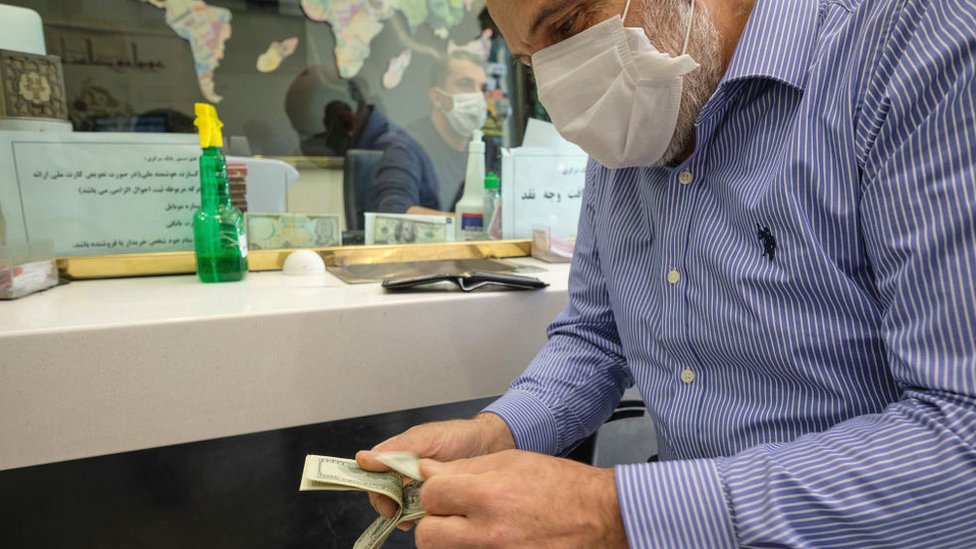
[
  {"x": 282, "y": 231},
  {"x": 375, "y": 535},
  {"x": 402, "y": 485},
  {"x": 411, "y": 502},
  {"x": 384, "y": 228},
  {"x": 381, "y": 528},
  {"x": 405, "y": 463},
  {"x": 330, "y": 473}
]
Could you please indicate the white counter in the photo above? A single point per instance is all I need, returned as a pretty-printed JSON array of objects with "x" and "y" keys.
[{"x": 100, "y": 367}]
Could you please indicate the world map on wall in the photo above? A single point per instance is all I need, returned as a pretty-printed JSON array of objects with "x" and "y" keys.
[{"x": 354, "y": 23}]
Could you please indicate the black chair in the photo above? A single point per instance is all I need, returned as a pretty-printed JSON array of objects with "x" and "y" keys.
[
  {"x": 628, "y": 436},
  {"x": 358, "y": 173}
]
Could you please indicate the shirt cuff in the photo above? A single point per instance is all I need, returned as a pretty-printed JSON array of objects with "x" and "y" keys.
[
  {"x": 532, "y": 423},
  {"x": 674, "y": 504}
]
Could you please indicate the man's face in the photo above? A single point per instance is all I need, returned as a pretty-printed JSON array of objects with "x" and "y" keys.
[
  {"x": 532, "y": 25},
  {"x": 339, "y": 121},
  {"x": 462, "y": 77}
]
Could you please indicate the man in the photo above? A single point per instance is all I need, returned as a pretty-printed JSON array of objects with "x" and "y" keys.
[
  {"x": 350, "y": 121},
  {"x": 790, "y": 284},
  {"x": 366, "y": 127},
  {"x": 458, "y": 109}
]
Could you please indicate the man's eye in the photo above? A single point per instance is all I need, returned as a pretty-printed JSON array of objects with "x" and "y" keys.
[{"x": 566, "y": 29}]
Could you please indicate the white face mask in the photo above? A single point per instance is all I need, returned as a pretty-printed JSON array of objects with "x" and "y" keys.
[
  {"x": 611, "y": 92},
  {"x": 468, "y": 114}
]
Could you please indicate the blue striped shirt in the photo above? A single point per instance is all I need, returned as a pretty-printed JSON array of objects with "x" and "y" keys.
[{"x": 797, "y": 301}]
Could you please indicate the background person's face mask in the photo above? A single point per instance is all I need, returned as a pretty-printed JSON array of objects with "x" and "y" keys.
[
  {"x": 469, "y": 112},
  {"x": 611, "y": 92}
]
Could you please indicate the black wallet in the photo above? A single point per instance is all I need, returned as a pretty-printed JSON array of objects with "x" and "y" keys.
[{"x": 467, "y": 281}]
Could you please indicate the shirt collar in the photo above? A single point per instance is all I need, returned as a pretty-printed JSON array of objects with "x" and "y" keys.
[{"x": 777, "y": 42}]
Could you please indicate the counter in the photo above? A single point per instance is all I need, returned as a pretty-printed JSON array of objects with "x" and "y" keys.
[{"x": 100, "y": 367}]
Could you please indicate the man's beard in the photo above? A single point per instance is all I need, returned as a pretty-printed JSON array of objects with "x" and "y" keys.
[{"x": 666, "y": 23}]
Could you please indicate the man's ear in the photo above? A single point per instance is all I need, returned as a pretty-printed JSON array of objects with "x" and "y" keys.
[{"x": 441, "y": 101}]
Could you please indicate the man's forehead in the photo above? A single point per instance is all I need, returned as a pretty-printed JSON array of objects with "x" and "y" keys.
[
  {"x": 524, "y": 22},
  {"x": 463, "y": 68},
  {"x": 513, "y": 17}
]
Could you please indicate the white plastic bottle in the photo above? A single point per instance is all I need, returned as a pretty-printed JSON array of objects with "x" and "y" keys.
[
  {"x": 493, "y": 207},
  {"x": 469, "y": 212}
]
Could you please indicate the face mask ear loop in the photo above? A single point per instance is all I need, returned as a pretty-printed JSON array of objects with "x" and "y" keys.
[
  {"x": 626, "y": 9},
  {"x": 691, "y": 23}
]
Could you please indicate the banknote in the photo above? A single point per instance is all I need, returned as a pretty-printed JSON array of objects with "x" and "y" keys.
[
  {"x": 382, "y": 228},
  {"x": 376, "y": 533},
  {"x": 402, "y": 485},
  {"x": 411, "y": 502},
  {"x": 330, "y": 473},
  {"x": 381, "y": 528},
  {"x": 404, "y": 463},
  {"x": 281, "y": 231}
]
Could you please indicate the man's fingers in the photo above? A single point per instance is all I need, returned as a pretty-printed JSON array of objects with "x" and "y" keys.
[
  {"x": 468, "y": 466},
  {"x": 409, "y": 441},
  {"x": 383, "y": 505},
  {"x": 366, "y": 459},
  {"x": 432, "y": 468},
  {"x": 446, "y": 533},
  {"x": 451, "y": 495}
]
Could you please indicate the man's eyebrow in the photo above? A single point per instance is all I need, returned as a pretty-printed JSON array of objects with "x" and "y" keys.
[{"x": 545, "y": 13}]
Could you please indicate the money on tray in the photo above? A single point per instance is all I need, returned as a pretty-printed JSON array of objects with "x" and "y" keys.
[
  {"x": 274, "y": 231},
  {"x": 384, "y": 228},
  {"x": 331, "y": 473}
]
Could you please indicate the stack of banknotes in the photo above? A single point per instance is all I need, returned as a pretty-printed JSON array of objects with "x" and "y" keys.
[{"x": 402, "y": 485}]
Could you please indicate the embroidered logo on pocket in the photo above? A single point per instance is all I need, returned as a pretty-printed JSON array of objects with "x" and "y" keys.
[{"x": 767, "y": 240}]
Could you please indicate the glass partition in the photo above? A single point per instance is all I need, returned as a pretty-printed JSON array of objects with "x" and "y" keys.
[{"x": 374, "y": 103}]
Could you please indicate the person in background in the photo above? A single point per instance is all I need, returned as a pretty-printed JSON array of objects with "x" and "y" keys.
[
  {"x": 458, "y": 109},
  {"x": 777, "y": 245},
  {"x": 351, "y": 121},
  {"x": 344, "y": 117}
]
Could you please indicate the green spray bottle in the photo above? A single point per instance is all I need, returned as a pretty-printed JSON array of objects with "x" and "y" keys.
[{"x": 219, "y": 239}]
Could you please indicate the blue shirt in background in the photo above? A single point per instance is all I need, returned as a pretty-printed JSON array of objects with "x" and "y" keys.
[
  {"x": 406, "y": 175},
  {"x": 796, "y": 301}
]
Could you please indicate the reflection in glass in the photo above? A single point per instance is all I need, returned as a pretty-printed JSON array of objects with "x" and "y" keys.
[{"x": 288, "y": 84}]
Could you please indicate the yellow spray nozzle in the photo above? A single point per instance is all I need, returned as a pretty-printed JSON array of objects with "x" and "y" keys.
[{"x": 209, "y": 125}]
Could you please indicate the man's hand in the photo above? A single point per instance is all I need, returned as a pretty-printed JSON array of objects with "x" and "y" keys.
[
  {"x": 518, "y": 499},
  {"x": 442, "y": 441}
]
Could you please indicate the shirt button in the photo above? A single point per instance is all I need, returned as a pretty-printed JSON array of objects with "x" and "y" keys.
[
  {"x": 674, "y": 277},
  {"x": 685, "y": 177},
  {"x": 687, "y": 376}
]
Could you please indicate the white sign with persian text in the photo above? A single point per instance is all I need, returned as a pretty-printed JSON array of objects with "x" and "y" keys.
[
  {"x": 100, "y": 193},
  {"x": 541, "y": 187}
]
